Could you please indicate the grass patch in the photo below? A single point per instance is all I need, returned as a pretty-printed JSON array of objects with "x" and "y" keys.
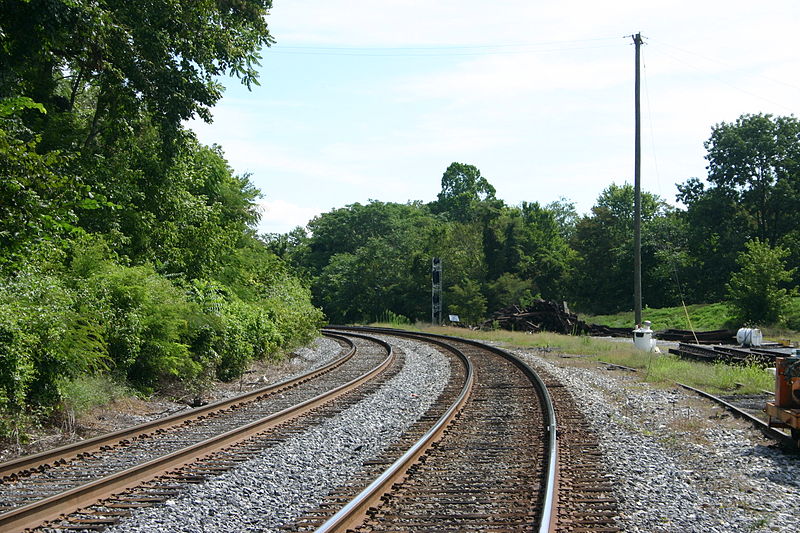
[
  {"x": 660, "y": 369},
  {"x": 87, "y": 392},
  {"x": 704, "y": 317}
]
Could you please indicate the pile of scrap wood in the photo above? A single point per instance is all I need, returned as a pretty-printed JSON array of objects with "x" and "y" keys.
[{"x": 542, "y": 315}]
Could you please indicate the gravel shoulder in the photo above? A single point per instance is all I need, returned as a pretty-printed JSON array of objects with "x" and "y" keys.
[{"x": 680, "y": 462}]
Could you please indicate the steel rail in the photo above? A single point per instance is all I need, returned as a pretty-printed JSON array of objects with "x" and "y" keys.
[
  {"x": 765, "y": 428},
  {"x": 352, "y": 513},
  {"x": 762, "y": 426},
  {"x": 15, "y": 466},
  {"x": 35, "y": 514}
]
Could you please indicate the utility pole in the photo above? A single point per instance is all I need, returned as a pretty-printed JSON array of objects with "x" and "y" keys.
[{"x": 637, "y": 198}]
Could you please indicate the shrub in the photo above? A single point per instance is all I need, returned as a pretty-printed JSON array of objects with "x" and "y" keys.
[
  {"x": 756, "y": 292},
  {"x": 146, "y": 321},
  {"x": 83, "y": 393}
]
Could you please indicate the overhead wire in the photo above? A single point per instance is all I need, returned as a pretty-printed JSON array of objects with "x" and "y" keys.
[
  {"x": 447, "y": 50},
  {"x": 724, "y": 63},
  {"x": 705, "y": 72}
]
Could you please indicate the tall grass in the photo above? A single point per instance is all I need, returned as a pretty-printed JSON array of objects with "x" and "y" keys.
[
  {"x": 84, "y": 393},
  {"x": 703, "y": 317},
  {"x": 660, "y": 369}
]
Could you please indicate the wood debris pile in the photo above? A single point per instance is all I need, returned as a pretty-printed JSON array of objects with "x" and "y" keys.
[{"x": 542, "y": 315}]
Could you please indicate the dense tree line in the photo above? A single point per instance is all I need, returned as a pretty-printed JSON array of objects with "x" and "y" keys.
[
  {"x": 370, "y": 260},
  {"x": 127, "y": 248}
]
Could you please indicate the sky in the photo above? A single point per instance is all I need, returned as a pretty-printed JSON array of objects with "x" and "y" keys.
[{"x": 363, "y": 100}]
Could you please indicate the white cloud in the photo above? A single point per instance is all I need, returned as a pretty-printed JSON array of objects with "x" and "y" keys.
[
  {"x": 557, "y": 120},
  {"x": 280, "y": 216}
]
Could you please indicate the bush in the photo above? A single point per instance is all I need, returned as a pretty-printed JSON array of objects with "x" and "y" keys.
[
  {"x": 756, "y": 292},
  {"x": 71, "y": 321},
  {"x": 81, "y": 394},
  {"x": 146, "y": 324},
  {"x": 43, "y": 339}
]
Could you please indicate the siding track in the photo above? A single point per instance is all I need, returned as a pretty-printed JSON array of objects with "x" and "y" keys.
[{"x": 44, "y": 487}]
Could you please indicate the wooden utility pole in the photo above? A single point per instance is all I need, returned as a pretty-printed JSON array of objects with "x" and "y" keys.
[{"x": 637, "y": 198}]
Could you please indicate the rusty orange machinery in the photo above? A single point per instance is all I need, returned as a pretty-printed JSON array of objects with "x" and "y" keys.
[{"x": 785, "y": 410}]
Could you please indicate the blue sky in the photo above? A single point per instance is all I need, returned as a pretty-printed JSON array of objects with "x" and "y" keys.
[{"x": 373, "y": 100}]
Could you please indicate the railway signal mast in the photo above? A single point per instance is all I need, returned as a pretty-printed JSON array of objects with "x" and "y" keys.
[{"x": 436, "y": 291}]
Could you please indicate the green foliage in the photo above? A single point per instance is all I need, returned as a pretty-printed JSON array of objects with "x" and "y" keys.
[
  {"x": 81, "y": 394},
  {"x": 38, "y": 194},
  {"x": 393, "y": 319},
  {"x": 754, "y": 185},
  {"x": 703, "y": 317},
  {"x": 510, "y": 289},
  {"x": 603, "y": 268},
  {"x": 467, "y": 302},
  {"x": 163, "y": 55},
  {"x": 757, "y": 292},
  {"x": 42, "y": 336},
  {"x": 366, "y": 259},
  {"x": 463, "y": 191},
  {"x": 127, "y": 248},
  {"x": 145, "y": 320}
]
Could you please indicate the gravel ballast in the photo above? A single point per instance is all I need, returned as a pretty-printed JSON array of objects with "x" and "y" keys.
[
  {"x": 293, "y": 476},
  {"x": 681, "y": 463}
]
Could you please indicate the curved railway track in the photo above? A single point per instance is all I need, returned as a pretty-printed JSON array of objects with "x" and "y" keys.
[
  {"x": 488, "y": 462},
  {"x": 485, "y": 455},
  {"x": 493, "y": 462},
  {"x": 45, "y": 486}
]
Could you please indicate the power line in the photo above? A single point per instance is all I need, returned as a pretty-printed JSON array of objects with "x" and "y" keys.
[
  {"x": 706, "y": 73},
  {"x": 447, "y": 50},
  {"x": 722, "y": 63}
]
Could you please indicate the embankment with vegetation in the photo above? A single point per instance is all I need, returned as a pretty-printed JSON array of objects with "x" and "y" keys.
[{"x": 129, "y": 261}]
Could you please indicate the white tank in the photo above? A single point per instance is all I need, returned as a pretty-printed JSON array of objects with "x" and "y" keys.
[
  {"x": 749, "y": 337},
  {"x": 643, "y": 338}
]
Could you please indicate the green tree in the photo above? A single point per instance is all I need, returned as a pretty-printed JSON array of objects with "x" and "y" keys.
[
  {"x": 119, "y": 56},
  {"x": 757, "y": 159},
  {"x": 753, "y": 181},
  {"x": 463, "y": 191},
  {"x": 565, "y": 214},
  {"x": 156, "y": 275},
  {"x": 602, "y": 280},
  {"x": 346, "y": 229},
  {"x": 509, "y": 289},
  {"x": 390, "y": 272},
  {"x": 757, "y": 291},
  {"x": 38, "y": 192}
]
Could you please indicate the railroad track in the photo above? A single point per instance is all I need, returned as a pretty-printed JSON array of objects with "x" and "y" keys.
[
  {"x": 47, "y": 486},
  {"x": 489, "y": 463},
  {"x": 748, "y": 407},
  {"x": 482, "y": 457}
]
